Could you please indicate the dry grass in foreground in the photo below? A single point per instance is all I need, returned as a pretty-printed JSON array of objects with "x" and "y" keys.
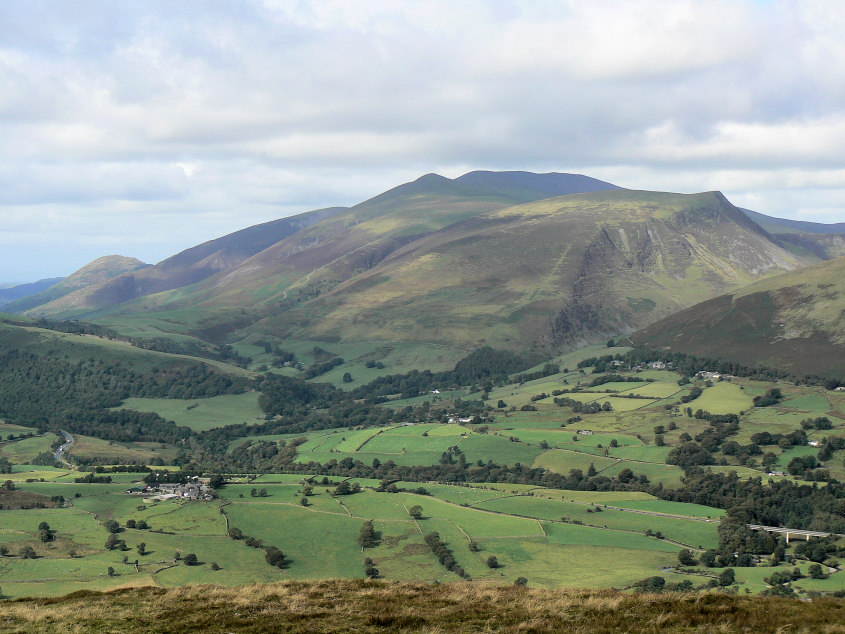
[{"x": 342, "y": 606}]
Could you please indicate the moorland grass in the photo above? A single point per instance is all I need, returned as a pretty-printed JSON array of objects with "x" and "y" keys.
[{"x": 367, "y": 606}]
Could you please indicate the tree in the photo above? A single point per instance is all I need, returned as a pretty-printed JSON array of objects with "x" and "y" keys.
[
  {"x": 216, "y": 481},
  {"x": 46, "y": 536},
  {"x": 190, "y": 559},
  {"x": 235, "y": 533},
  {"x": 626, "y": 475},
  {"x": 141, "y": 525},
  {"x": 709, "y": 558},
  {"x": 111, "y": 526},
  {"x": 367, "y": 536},
  {"x": 727, "y": 577},
  {"x": 492, "y": 562},
  {"x": 816, "y": 572},
  {"x": 686, "y": 558},
  {"x": 303, "y": 501},
  {"x": 131, "y": 524},
  {"x": 416, "y": 512},
  {"x": 114, "y": 542},
  {"x": 111, "y": 571},
  {"x": 28, "y": 552},
  {"x": 521, "y": 581},
  {"x": 347, "y": 377},
  {"x": 4, "y": 550},
  {"x": 142, "y": 549},
  {"x": 44, "y": 526},
  {"x": 501, "y": 404},
  {"x": 342, "y": 488}
]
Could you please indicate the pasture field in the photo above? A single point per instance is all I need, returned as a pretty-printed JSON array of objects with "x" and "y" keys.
[
  {"x": 668, "y": 475},
  {"x": 204, "y": 413},
  {"x": 690, "y": 532},
  {"x": 658, "y": 389},
  {"x": 814, "y": 403},
  {"x": 396, "y": 356},
  {"x": 23, "y": 451},
  {"x": 89, "y": 448},
  {"x": 673, "y": 508},
  {"x": 413, "y": 445},
  {"x": 723, "y": 397},
  {"x": 562, "y": 461},
  {"x": 15, "y": 430},
  {"x": 642, "y": 454},
  {"x": 519, "y": 524},
  {"x": 555, "y": 538}
]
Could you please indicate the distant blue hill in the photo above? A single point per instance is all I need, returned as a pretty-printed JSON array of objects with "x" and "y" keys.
[{"x": 25, "y": 290}]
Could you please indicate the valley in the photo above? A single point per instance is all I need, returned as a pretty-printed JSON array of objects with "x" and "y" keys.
[
  {"x": 503, "y": 379},
  {"x": 561, "y": 498}
]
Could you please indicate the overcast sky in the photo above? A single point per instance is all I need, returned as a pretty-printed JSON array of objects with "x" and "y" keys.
[{"x": 143, "y": 128}]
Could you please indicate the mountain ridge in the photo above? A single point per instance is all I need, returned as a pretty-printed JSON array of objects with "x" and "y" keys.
[{"x": 462, "y": 262}]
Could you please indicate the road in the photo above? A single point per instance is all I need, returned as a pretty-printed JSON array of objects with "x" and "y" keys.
[{"x": 61, "y": 450}]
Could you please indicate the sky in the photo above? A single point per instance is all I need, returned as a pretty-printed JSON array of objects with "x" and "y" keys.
[{"x": 143, "y": 128}]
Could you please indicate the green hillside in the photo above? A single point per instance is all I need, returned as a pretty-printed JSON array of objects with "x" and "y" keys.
[
  {"x": 794, "y": 322},
  {"x": 428, "y": 263},
  {"x": 556, "y": 272}
]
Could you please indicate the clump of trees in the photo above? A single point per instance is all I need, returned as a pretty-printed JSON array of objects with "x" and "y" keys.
[
  {"x": 275, "y": 557},
  {"x": 444, "y": 555},
  {"x": 772, "y": 396}
]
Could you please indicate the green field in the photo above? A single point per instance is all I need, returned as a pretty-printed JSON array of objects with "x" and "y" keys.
[
  {"x": 723, "y": 398},
  {"x": 23, "y": 451},
  {"x": 531, "y": 530},
  {"x": 555, "y": 538},
  {"x": 204, "y": 413},
  {"x": 87, "y": 447}
]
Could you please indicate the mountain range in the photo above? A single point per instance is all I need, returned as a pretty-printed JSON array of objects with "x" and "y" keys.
[{"x": 529, "y": 262}]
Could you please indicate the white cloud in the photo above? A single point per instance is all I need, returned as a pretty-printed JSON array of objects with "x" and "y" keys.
[{"x": 116, "y": 115}]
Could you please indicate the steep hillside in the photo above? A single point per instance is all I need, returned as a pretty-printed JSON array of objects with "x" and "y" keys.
[
  {"x": 556, "y": 272},
  {"x": 794, "y": 321},
  {"x": 97, "y": 272},
  {"x": 300, "y": 267},
  {"x": 188, "y": 267},
  {"x": 441, "y": 201}
]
